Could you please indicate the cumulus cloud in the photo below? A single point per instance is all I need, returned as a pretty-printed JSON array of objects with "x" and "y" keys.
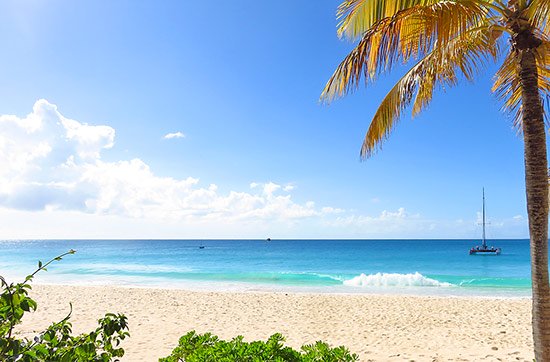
[
  {"x": 174, "y": 135},
  {"x": 52, "y": 162},
  {"x": 41, "y": 153},
  {"x": 53, "y": 166}
]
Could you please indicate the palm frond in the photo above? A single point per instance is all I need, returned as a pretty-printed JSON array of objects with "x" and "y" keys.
[
  {"x": 538, "y": 14},
  {"x": 507, "y": 82},
  {"x": 462, "y": 56},
  {"x": 410, "y": 33},
  {"x": 357, "y": 16}
]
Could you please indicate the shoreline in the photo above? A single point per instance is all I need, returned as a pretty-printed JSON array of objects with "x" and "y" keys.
[
  {"x": 376, "y": 327},
  {"x": 243, "y": 287}
]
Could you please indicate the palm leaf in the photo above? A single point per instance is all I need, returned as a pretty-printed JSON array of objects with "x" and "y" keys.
[
  {"x": 411, "y": 33},
  {"x": 507, "y": 82},
  {"x": 357, "y": 16},
  {"x": 538, "y": 14},
  {"x": 464, "y": 56}
]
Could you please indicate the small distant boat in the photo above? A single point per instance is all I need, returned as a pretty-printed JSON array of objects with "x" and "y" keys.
[
  {"x": 268, "y": 239},
  {"x": 201, "y": 247},
  {"x": 483, "y": 249}
]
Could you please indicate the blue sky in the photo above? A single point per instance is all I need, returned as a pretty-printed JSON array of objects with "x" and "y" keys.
[{"x": 259, "y": 156}]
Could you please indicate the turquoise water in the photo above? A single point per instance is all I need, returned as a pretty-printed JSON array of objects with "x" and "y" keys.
[{"x": 433, "y": 267}]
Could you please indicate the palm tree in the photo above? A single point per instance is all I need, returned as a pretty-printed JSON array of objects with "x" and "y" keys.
[{"x": 445, "y": 41}]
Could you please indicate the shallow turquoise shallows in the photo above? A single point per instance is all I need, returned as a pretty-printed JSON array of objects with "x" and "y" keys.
[{"x": 432, "y": 267}]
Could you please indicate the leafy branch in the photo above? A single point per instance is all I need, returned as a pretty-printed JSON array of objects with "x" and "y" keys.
[{"x": 56, "y": 343}]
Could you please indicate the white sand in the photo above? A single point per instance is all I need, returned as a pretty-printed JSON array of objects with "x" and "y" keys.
[{"x": 377, "y": 328}]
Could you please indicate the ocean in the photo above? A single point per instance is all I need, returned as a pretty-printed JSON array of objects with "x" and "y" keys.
[{"x": 425, "y": 267}]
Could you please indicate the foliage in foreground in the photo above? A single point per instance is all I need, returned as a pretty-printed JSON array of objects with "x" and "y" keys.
[
  {"x": 56, "y": 343},
  {"x": 195, "y": 347}
]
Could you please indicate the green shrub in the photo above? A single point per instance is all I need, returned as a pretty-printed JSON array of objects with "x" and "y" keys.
[
  {"x": 56, "y": 343},
  {"x": 195, "y": 347}
]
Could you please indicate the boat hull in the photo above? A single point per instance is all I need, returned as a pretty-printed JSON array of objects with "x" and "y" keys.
[{"x": 495, "y": 251}]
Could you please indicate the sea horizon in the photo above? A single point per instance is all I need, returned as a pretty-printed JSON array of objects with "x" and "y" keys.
[{"x": 263, "y": 239}]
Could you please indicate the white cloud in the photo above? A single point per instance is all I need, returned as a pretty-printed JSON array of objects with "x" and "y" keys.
[
  {"x": 289, "y": 188},
  {"x": 54, "y": 163},
  {"x": 402, "y": 224},
  {"x": 40, "y": 154},
  {"x": 396, "y": 223},
  {"x": 270, "y": 188},
  {"x": 53, "y": 174},
  {"x": 174, "y": 135},
  {"x": 399, "y": 214}
]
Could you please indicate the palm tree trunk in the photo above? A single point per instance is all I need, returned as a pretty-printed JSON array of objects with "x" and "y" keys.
[{"x": 536, "y": 184}]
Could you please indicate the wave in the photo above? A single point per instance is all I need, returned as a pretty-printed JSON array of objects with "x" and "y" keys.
[
  {"x": 496, "y": 282},
  {"x": 394, "y": 280},
  {"x": 281, "y": 278},
  {"x": 314, "y": 275}
]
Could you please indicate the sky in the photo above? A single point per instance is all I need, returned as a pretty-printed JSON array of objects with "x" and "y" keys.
[{"x": 201, "y": 119}]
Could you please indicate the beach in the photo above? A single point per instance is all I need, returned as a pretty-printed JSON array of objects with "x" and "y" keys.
[{"x": 376, "y": 327}]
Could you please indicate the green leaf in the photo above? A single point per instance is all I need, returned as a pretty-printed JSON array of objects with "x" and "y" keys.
[{"x": 25, "y": 305}]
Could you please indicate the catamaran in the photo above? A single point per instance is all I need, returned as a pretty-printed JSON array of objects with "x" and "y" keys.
[{"x": 484, "y": 249}]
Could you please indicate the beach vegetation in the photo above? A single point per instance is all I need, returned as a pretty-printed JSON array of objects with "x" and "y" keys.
[
  {"x": 206, "y": 347},
  {"x": 56, "y": 342},
  {"x": 445, "y": 42}
]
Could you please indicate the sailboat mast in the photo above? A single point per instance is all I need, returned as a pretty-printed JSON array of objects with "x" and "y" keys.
[{"x": 483, "y": 211}]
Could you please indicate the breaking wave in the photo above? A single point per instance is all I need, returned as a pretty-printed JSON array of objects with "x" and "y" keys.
[{"x": 394, "y": 280}]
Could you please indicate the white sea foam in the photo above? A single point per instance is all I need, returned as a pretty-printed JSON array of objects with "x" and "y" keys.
[{"x": 394, "y": 280}]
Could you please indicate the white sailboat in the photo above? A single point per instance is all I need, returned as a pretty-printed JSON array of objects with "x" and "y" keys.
[{"x": 483, "y": 249}]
